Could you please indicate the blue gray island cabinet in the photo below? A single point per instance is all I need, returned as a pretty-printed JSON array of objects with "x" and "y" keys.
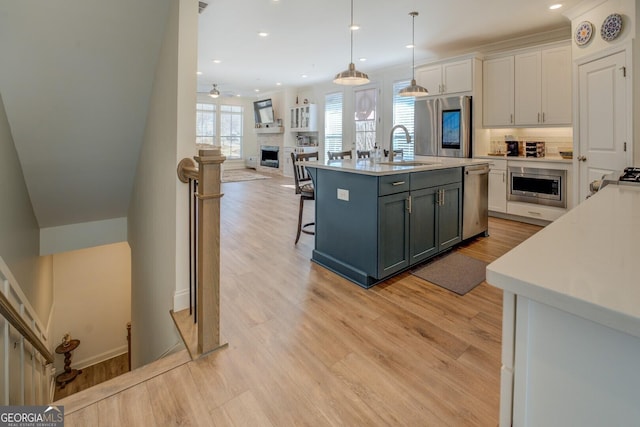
[{"x": 373, "y": 221}]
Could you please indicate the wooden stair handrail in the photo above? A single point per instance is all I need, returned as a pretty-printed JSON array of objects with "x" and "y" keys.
[{"x": 9, "y": 312}]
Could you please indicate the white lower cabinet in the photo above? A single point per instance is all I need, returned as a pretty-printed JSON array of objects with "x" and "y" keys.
[
  {"x": 531, "y": 210},
  {"x": 498, "y": 186}
]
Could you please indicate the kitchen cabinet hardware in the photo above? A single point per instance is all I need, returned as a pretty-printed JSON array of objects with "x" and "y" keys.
[
  {"x": 409, "y": 204},
  {"x": 398, "y": 183},
  {"x": 582, "y": 158},
  {"x": 624, "y": 71}
]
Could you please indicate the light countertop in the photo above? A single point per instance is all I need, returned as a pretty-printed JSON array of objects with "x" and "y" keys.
[
  {"x": 547, "y": 158},
  {"x": 586, "y": 263},
  {"x": 367, "y": 167}
]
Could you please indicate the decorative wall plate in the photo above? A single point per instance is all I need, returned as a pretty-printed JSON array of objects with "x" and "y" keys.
[
  {"x": 583, "y": 34},
  {"x": 611, "y": 27}
]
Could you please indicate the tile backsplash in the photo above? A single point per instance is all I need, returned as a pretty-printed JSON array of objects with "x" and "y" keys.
[{"x": 555, "y": 139}]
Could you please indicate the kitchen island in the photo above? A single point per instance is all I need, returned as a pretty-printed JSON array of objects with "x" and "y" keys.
[
  {"x": 374, "y": 220},
  {"x": 571, "y": 317}
]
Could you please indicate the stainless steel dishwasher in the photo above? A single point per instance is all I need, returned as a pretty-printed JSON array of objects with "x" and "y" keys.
[{"x": 475, "y": 205}]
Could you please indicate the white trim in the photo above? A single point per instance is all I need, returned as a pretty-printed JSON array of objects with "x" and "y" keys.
[
  {"x": 94, "y": 360},
  {"x": 181, "y": 300}
]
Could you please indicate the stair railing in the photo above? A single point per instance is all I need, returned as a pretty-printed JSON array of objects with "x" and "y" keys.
[
  {"x": 204, "y": 244},
  {"x": 24, "y": 345}
]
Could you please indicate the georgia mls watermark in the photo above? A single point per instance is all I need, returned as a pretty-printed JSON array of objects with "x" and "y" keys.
[{"x": 31, "y": 416}]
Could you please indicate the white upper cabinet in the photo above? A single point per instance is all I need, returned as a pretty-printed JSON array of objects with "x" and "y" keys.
[
  {"x": 556, "y": 86},
  {"x": 304, "y": 118},
  {"x": 532, "y": 88},
  {"x": 528, "y": 87},
  {"x": 446, "y": 78},
  {"x": 497, "y": 94}
]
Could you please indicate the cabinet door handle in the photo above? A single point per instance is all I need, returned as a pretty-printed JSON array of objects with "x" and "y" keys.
[
  {"x": 511, "y": 118},
  {"x": 538, "y": 117},
  {"x": 409, "y": 204},
  {"x": 543, "y": 117},
  {"x": 397, "y": 183},
  {"x": 442, "y": 198},
  {"x": 503, "y": 176}
]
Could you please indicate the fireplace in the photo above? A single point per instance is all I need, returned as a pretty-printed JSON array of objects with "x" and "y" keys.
[{"x": 269, "y": 156}]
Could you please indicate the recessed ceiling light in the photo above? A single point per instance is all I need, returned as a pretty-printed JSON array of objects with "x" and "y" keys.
[
  {"x": 278, "y": 84},
  {"x": 263, "y": 34},
  {"x": 410, "y": 46},
  {"x": 354, "y": 27},
  {"x": 199, "y": 73},
  {"x": 363, "y": 59},
  {"x": 216, "y": 61},
  {"x": 256, "y": 90},
  {"x": 555, "y": 6},
  {"x": 304, "y": 76}
]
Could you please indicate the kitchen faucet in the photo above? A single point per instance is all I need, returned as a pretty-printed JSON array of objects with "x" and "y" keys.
[{"x": 406, "y": 132}]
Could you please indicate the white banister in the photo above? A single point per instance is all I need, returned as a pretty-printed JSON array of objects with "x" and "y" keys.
[{"x": 23, "y": 338}]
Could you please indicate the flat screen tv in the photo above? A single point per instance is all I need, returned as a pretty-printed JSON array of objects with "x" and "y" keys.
[{"x": 263, "y": 111}]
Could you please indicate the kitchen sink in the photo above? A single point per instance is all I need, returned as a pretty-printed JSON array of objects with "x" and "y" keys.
[{"x": 407, "y": 163}]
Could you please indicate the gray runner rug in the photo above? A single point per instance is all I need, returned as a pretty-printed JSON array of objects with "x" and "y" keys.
[{"x": 455, "y": 272}]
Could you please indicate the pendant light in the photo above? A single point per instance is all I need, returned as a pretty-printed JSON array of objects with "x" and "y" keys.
[
  {"x": 351, "y": 76},
  {"x": 214, "y": 93},
  {"x": 413, "y": 89}
]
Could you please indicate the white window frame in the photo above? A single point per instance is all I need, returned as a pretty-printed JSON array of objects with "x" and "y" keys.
[{"x": 403, "y": 114}]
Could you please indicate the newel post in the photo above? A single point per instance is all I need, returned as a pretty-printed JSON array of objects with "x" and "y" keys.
[{"x": 209, "y": 183}]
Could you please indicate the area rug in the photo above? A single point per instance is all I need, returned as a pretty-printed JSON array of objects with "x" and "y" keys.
[
  {"x": 234, "y": 175},
  {"x": 455, "y": 272}
]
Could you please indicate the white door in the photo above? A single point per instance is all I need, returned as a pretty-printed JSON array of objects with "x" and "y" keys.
[{"x": 603, "y": 116}]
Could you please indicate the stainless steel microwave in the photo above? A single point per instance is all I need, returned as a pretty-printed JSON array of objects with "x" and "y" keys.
[{"x": 540, "y": 186}]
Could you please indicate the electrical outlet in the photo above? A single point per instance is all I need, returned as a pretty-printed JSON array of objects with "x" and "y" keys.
[{"x": 343, "y": 194}]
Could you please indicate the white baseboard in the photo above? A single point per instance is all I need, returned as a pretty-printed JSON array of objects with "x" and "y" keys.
[
  {"x": 181, "y": 300},
  {"x": 81, "y": 364}
]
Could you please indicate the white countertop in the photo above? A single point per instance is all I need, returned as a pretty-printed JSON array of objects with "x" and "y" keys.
[
  {"x": 547, "y": 158},
  {"x": 367, "y": 167},
  {"x": 586, "y": 263}
]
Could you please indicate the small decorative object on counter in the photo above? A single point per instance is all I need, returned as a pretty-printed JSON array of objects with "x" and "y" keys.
[
  {"x": 66, "y": 339},
  {"x": 534, "y": 149}
]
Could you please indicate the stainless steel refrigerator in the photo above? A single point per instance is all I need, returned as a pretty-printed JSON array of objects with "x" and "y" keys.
[{"x": 443, "y": 126}]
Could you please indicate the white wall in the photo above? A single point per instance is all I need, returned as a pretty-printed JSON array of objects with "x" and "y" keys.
[
  {"x": 92, "y": 290},
  {"x": 19, "y": 230},
  {"x": 157, "y": 230},
  {"x": 83, "y": 235}
]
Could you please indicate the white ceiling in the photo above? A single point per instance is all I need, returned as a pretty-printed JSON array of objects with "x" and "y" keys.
[
  {"x": 311, "y": 37},
  {"x": 76, "y": 75}
]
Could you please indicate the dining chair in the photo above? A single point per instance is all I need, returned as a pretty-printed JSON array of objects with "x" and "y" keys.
[
  {"x": 364, "y": 154},
  {"x": 303, "y": 187},
  {"x": 336, "y": 155}
]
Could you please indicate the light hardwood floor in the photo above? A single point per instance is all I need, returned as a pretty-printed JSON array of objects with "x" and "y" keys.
[
  {"x": 307, "y": 347},
  {"x": 94, "y": 374}
]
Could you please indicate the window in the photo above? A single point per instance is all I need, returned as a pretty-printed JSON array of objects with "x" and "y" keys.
[
  {"x": 231, "y": 131},
  {"x": 205, "y": 123},
  {"x": 365, "y": 118},
  {"x": 403, "y": 107},
  {"x": 225, "y": 121},
  {"x": 333, "y": 121}
]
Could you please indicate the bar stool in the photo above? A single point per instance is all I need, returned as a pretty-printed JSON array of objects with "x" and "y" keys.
[
  {"x": 304, "y": 187},
  {"x": 337, "y": 155}
]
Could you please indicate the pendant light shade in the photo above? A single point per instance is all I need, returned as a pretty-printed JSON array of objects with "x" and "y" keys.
[
  {"x": 214, "y": 93},
  {"x": 413, "y": 89},
  {"x": 351, "y": 76}
]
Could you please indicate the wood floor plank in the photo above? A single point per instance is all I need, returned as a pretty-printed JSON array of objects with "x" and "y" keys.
[{"x": 309, "y": 348}]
